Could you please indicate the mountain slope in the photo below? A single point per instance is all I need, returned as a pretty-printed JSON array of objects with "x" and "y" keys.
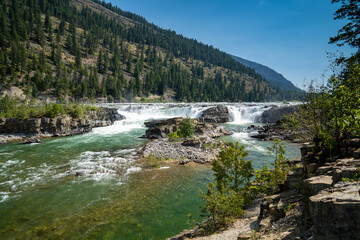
[
  {"x": 84, "y": 50},
  {"x": 273, "y": 77}
]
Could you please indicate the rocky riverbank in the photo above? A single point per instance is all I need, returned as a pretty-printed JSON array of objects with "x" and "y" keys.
[
  {"x": 203, "y": 148},
  {"x": 15, "y": 129},
  {"x": 319, "y": 200}
]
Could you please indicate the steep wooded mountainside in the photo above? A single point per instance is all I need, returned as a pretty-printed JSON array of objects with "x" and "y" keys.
[
  {"x": 273, "y": 77},
  {"x": 89, "y": 50}
]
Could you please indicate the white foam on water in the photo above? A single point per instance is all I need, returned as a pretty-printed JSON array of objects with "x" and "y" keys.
[
  {"x": 164, "y": 167},
  {"x": 133, "y": 170},
  {"x": 250, "y": 144},
  {"x": 241, "y": 114},
  {"x": 102, "y": 165},
  {"x": 118, "y": 127},
  {"x": 4, "y": 196},
  {"x": 11, "y": 163}
]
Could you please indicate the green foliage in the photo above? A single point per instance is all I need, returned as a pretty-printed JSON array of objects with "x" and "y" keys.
[
  {"x": 220, "y": 207},
  {"x": 331, "y": 115},
  {"x": 348, "y": 34},
  {"x": 267, "y": 180},
  {"x": 174, "y": 136},
  {"x": 16, "y": 108},
  {"x": 231, "y": 168},
  {"x": 187, "y": 129},
  {"x": 225, "y": 199},
  {"x": 53, "y": 110},
  {"x": 232, "y": 189}
]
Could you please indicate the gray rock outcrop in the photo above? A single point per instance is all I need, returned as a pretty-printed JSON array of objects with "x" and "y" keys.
[
  {"x": 331, "y": 206},
  {"x": 57, "y": 126},
  {"x": 218, "y": 114},
  {"x": 273, "y": 132},
  {"x": 335, "y": 212},
  {"x": 276, "y": 113},
  {"x": 161, "y": 128},
  {"x": 158, "y": 129}
]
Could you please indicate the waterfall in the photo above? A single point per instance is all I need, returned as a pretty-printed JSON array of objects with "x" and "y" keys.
[
  {"x": 243, "y": 114},
  {"x": 137, "y": 113}
]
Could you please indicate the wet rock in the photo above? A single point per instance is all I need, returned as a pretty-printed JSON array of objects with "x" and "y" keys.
[
  {"x": 273, "y": 132},
  {"x": 218, "y": 114},
  {"x": 32, "y": 140},
  {"x": 194, "y": 142},
  {"x": 335, "y": 212},
  {"x": 276, "y": 113},
  {"x": 161, "y": 128}
]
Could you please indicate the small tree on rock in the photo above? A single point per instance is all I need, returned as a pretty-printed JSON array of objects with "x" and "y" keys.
[{"x": 187, "y": 129}]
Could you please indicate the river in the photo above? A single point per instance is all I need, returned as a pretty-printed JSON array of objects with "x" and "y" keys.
[{"x": 91, "y": 186}]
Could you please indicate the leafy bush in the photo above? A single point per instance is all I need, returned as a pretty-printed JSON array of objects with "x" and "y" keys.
[{"x": 330, "y": 115}]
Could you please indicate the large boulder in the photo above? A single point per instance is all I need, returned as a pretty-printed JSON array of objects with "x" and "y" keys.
[
  {"x": 218, "y": 114},
  {"x": 161, "y": 128},
  {"x": 275, "y": 113}
]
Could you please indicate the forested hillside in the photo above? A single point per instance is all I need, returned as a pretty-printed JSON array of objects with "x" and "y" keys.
[
  {"x": 273, "y": 77},
  {"x": 82, "y": 50}
]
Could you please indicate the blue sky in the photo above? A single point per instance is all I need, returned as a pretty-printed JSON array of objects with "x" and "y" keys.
[{"x": 290, "y": 36}]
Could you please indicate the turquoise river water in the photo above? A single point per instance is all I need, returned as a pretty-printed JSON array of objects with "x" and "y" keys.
[{"x": 91, "y": 186}]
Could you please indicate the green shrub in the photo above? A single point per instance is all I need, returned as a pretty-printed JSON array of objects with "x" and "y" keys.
[
  {"x": 53, "y": 110},
  {"x": 225, "y": 198},
  {"x": 267, "y": 180},
  {"x": 187, "y": 129},
  {"x": 16, "y": 108},
  {"x": 174, "y": 136},
  {"x": 232, "y": 189}
]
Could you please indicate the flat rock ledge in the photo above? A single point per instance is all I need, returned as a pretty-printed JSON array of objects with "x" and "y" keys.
[{"x": 15, "y": 130}]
